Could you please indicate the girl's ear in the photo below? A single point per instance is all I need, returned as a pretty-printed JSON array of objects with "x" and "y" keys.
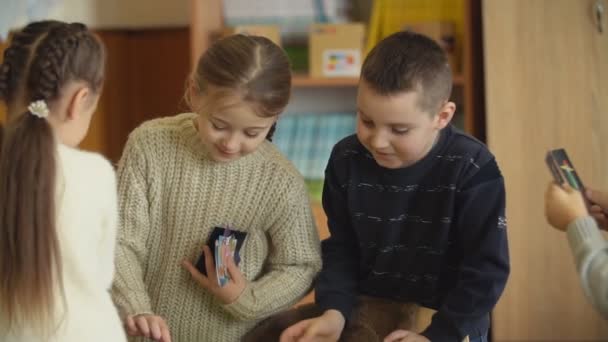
[{"x": 78, "y": 102}]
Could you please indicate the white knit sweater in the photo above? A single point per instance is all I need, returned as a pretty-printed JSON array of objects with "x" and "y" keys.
[
  {"x": 171, "y": 195},
  {"x": 86, "y": 227}
]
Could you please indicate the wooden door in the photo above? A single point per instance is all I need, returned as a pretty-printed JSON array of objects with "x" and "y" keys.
[{"x": 546, "y": 76}]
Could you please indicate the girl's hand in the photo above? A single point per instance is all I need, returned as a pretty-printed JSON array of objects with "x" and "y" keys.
[
  {"x": 599, "y": 208},
  {"x": 231, "y": 290},
  {"x": 325, "y": 328},
  {"x": 563, "y": 204},
  {"x": 150, "y": 326}
]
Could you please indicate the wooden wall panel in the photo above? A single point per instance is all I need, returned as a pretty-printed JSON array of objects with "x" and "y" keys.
[
  {"x": 145, "y": 76},
  {"x": 546, "y": 87}
]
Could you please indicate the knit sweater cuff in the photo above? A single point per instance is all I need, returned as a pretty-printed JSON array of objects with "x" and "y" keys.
[
  {"x": 242, "y": 307},
  {"x": 136, "y": 305},
  {"x": 584, "y": 237}
]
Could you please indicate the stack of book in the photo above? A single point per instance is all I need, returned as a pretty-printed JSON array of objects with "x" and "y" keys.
[{"x": 307, "y": 139}]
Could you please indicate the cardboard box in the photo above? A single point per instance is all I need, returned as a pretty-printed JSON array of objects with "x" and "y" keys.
[
  {"x": 271, "y": 32},
  {"x": 336, "y": 50},
  {"x": 444, "y": 33}
]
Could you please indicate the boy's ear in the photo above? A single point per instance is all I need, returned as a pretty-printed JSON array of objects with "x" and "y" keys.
[
  {"x": 79, "y": 101},
  {"x": 445, "y": 114}
]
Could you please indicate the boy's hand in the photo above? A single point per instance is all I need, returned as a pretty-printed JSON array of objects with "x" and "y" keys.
[
  {"x": 149, "y": 326},
  {"x": 231, "y": 290},
  {"x": 325, "y": 328},
  {"x": 405, "y": 336},
  {"x": 563, "y": 205},
  {"x": 599, "y": 209}
]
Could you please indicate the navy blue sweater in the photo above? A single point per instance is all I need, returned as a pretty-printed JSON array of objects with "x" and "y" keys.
[{"x": 433, "y": 233}]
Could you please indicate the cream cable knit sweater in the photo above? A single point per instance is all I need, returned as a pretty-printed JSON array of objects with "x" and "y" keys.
[{"x": 170, "y": 198}]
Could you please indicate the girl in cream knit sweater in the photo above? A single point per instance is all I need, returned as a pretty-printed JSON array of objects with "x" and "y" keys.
[{"x": 182, "y": 176}]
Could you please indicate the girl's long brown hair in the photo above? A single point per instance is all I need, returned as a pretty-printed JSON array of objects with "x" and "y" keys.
[{"x": 40, "y": 60}]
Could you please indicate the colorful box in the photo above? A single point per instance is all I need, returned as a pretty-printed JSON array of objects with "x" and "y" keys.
[{"x": 335, "y": 50}]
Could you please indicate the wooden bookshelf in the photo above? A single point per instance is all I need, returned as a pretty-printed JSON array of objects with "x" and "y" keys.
[{"x": 305, "y": 81}]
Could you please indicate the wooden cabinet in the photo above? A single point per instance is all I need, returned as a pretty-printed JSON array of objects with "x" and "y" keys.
[{"x": 546, "y": 87}]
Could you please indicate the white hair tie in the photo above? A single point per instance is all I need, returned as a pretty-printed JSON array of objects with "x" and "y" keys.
[{"x": 39, "y": 109}]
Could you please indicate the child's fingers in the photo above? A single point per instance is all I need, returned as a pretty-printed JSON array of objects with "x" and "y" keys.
[
  {"x": 209, "y": 266},
  {"x": 131, "y": 327},
  {"x": 196, "y": 275},
  {"x": 142, "y": 325},
  {"x": 567, "y": 187},
  {"x": 311, "y": 332},
  {"x": 295, "y": 331},
  {"x": 598, "y": 197},
  {"x": 603, "y": 223},
  {"x": 601, "y": 219},
  {"x": 396, "y": 335},
  {"x": 234, "y": 271},
  {"x": 598, "y": 213},
  {"x": 554, "y": 190},
  {"x": 165, "y": 335},
  {"x": 596, "y": 209},
  {"x": 155, "y": 328}
]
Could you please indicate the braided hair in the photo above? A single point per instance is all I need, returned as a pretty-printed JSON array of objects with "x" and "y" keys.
[{"x": 41, "y": 59}]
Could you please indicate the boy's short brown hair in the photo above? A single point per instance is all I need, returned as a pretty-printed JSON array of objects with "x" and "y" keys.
[{"x": 408, "y": 61}]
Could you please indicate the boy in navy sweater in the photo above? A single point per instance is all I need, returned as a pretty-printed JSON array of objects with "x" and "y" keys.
[{"x": 416, "y": 210}]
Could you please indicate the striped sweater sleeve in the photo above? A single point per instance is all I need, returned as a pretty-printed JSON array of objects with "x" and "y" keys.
[{"x": 590, "y": 251}]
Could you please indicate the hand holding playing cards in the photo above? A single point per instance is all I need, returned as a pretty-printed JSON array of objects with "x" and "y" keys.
[
  {"x": 150, "y": 326},
  {"x": 563, "y": 205},
  {"x": 231, "y": 290},
  {"x": 599, "y": 207},
  {"x": 405, "y": 336},
  {"x": 325, "y": 328}
]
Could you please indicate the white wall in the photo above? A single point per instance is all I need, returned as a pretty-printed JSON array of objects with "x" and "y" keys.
[
  {"x": 113, "y": 13},
  {"x": 126, "y": 13}
]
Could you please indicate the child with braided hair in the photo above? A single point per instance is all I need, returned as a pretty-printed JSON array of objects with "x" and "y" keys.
[{"x": 58, "y": 207}]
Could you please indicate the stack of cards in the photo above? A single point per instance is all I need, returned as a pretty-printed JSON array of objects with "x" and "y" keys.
[
  {"x": 225, "y": 248},
  {"x": 225, "y": 243},
  {"x": 563, "y": 171}
]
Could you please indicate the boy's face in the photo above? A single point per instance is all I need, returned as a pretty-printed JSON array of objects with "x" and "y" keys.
[{"x": 394, "y": 129}]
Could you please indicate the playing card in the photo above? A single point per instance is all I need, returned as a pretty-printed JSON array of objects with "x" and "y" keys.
[{"x": 223, "y": 242}]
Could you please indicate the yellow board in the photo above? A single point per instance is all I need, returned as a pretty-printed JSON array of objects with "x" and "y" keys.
[{"x": 389, "y": 16}]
